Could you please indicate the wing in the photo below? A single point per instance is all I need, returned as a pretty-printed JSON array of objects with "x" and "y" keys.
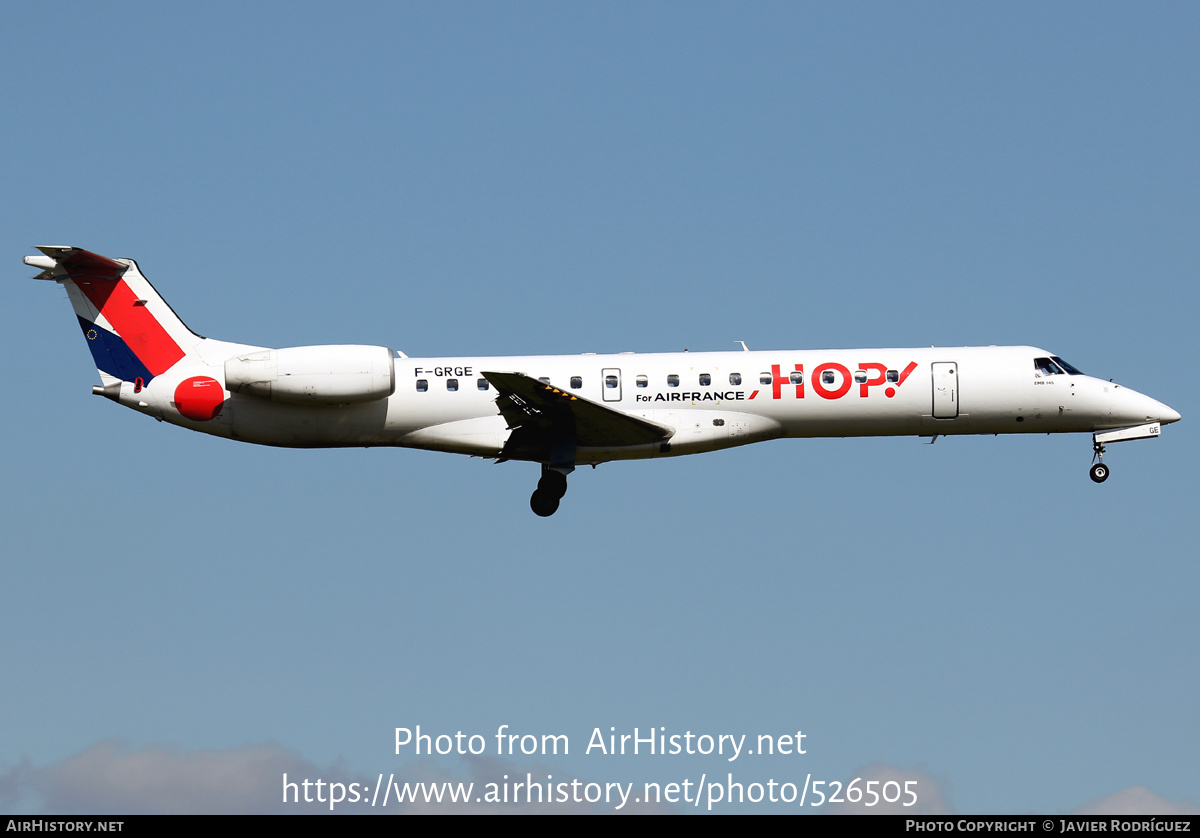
[{"x": 541, "y": 415}]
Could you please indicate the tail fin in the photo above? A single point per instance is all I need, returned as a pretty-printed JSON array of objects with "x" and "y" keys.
[{"x": 132, "y": 332}]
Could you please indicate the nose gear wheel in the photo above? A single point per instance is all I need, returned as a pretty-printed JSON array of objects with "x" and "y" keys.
[{"x": 1098, "y": 471}]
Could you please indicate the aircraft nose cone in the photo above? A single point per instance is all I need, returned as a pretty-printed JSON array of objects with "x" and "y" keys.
[
  {"x": 1136, "y": 408},
  {"x": 1156, "y": 411}
]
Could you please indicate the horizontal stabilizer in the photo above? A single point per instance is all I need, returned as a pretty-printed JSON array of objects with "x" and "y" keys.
[{"x": 60, "y": 262}]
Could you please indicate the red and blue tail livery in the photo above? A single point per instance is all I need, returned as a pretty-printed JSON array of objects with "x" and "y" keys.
[
  {"x": 133, "y": 335},
  {"x": 561, "y": 411}
]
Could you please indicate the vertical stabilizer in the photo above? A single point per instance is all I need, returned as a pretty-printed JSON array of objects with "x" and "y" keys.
[{"x": 131, "y": 331}]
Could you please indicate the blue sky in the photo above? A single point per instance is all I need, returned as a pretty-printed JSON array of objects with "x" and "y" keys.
[{"x": 484, "y": 179}]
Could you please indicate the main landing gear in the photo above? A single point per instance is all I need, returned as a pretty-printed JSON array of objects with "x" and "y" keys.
[
  {"x": 1099, "y": 471},
  {"x": 550, "y": 490}
]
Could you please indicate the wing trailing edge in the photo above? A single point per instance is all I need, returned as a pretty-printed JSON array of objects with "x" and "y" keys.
[{"x": 540, "y": 414}]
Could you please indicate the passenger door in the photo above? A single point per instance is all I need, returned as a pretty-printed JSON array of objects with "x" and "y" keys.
[{"x": 945, "y": 390}]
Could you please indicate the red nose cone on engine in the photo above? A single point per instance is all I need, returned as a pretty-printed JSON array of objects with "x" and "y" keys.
[{"x": 199, "y": 397}]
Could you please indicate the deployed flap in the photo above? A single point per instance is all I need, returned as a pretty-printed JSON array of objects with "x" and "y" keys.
[{"x": 525, "y": 402}]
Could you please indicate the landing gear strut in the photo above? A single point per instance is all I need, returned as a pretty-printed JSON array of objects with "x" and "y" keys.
[
  {"x": 1099, "y": 471},
  {"x": 550, "y": 489},
  {"x": 1150, "y": 430}
]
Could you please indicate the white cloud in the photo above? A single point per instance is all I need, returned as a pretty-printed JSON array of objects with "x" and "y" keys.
[
  {"x": 11, "y": 784},
  {"x": 1137, "y": 800},
  {"x": 104, "y": 779}
]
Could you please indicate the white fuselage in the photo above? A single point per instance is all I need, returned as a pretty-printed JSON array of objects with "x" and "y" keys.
[{"x": 711, "y": 400}]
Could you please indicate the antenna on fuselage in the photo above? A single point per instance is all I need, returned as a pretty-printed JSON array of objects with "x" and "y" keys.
[{"x": 743, "y": 343}]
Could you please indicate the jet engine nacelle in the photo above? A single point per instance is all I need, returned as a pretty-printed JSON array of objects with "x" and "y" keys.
[{"x": 314, "y": 374}]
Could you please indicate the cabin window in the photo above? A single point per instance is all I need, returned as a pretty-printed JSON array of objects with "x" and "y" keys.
[
  {"x": 452, "y": 384},
  {"x": 610, "y": 381},
  {"x": 544, "y": 379},
  {"x": 828, "y": 377},
  {"x": 672, "y": 381},
  {"x": 576, "y": 382},
  {"x": 422, "y": 385},
  {"x": 735, "y": 378},
  {"x": 893, "y": 376},
  {"x": 482, "y": 384},
  {"x": 705, "y": 379},
  {"x": 764, "y": 378},
  {"x": 642, "y": 381},
  {"x": 860, "y": 376},
  {"x": 797, "y": 377}
]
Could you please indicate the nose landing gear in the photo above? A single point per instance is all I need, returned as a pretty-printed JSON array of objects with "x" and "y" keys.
[
  {"x": 1098, "y": 471},
  {"x": 550, "y": 490}
]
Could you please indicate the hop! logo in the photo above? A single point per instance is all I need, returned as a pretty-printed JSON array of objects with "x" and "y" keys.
[{"x": 833, "y": 380}]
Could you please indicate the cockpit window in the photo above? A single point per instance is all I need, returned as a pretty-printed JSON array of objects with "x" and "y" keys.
[
  {"x": 1046, "y": 366},
  {"x": 1066, "y": 366}
]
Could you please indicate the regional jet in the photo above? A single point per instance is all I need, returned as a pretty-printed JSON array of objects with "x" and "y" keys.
[{"x": 562, "y": 411}]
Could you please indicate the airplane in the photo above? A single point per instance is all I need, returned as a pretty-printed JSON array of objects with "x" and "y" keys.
[{"x": 564, "y": 411}]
